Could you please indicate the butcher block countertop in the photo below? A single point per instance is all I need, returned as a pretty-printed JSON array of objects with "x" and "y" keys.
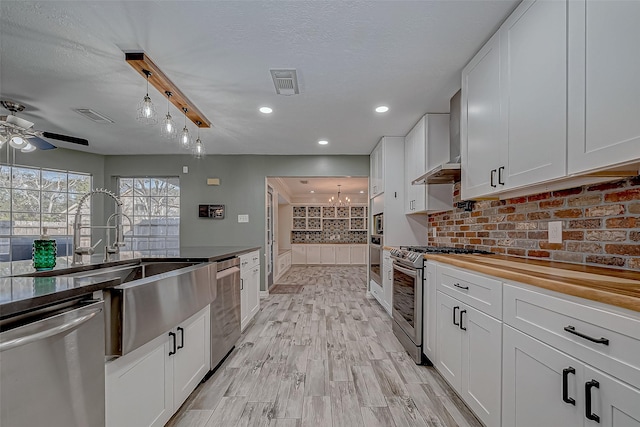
[{"x": 616, "y": 287}]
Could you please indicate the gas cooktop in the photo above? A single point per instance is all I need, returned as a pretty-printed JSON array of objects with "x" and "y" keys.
[{"x": 412, "y": 255}]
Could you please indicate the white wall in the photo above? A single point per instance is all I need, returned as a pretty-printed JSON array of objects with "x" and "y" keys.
[{"x": 285, "y": 217}]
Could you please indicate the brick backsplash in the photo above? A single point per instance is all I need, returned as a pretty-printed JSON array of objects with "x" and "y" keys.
[{"x": 601, "y": 225}]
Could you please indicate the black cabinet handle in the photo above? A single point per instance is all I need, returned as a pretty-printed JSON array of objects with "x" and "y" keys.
[
  {"x": 173, "y": 339},
  {"x": 461, "y": 313},
  {"x": 565, "y": 386},
  {"x": 493, "y": 175},
  {"x": 458, "y": 285},
  {"x": 572, "y": 330},
  {"x": 454, "y": 315},
  {"x": 241, "y": 284},
  {"x": 500, "y": 180},
  {"x": 181, "y": 330},
  {"x": 587, "y": 391}
]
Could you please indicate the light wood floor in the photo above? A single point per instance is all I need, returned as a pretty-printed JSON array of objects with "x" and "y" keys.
[{"x": 323, "y": 357}]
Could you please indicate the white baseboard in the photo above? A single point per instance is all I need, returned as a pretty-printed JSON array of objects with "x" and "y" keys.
[{"x": 264, "y": 294}]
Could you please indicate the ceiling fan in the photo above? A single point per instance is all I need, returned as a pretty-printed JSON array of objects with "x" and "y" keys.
[{"x": 19, "y": 133}]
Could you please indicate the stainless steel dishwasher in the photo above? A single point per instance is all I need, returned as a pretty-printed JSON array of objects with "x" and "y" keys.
[
  {"x": 52, "y": 367},
  {"x": 225, "y": 310}
]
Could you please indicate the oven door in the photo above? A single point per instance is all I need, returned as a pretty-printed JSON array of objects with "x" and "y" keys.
[
  {"x": 407, "y": 301},
  {"x": 375, "y": 259}
]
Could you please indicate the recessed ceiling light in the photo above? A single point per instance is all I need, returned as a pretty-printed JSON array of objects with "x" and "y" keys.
[
  {"x": 382, "y": 109},
  {"x": 311, "y": 191},
  {"x": 361, "y": 191},
  {"x": 323, "y": 142},
  {"x": 266, "y": 110}
]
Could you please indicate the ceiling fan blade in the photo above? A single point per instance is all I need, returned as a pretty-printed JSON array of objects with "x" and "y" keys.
[
  {"x": 19, "y": 122},
  {"x": 40, "y": 143},
  {"x": 65, "y": 138}
]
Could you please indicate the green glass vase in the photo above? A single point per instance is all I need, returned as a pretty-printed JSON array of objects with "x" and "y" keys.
[{"x": 44, "y": 254}]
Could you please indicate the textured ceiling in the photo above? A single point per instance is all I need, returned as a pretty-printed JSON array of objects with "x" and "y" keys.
[
  {"x": 326, "y": 186},
  {"x": 350, "y": 57}
]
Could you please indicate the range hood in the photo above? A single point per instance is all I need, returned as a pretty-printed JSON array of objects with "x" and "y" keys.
[{"x": 448, "y": 173}]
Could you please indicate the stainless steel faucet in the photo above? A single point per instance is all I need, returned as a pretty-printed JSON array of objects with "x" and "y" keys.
[{"x": 79, "y": 251}]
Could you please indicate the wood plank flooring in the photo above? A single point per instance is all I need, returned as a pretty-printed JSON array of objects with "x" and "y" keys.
[{"x": 323, "y": 357}]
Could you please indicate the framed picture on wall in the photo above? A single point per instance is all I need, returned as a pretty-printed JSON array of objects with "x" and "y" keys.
[{"x": 211, "y": 211}]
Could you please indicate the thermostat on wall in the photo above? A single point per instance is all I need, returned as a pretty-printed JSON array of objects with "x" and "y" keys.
[{"x": 211, "y": 211}]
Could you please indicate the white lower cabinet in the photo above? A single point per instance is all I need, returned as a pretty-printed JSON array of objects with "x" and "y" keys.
[
  {"x": 329, "y": 254},
  {"x": 543, "y": 386},
  {"x": 147, "y": 386},
  {"x": 468, "y": 355},
  {"x": 429, "y": 312},
  {"x": 249, "y": 289}
]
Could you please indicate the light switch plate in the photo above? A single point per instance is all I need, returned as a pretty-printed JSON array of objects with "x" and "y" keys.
[
  {"x": 243, "y": 218},
  {"x": 185, "y": 169},
  {"x": 555, "y": 232}
]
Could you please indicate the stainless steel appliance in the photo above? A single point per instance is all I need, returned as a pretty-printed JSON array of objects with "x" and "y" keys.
[
  {"x": 225, "y": 310},
  {"x": 375, "y": 258},
  {"x": 378, "y": 224},
  {"x": 408, "y": 265},
  {"x": 52, "y": 370}
]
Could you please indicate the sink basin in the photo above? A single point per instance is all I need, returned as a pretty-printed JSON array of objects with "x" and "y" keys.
[{"x": 125, "y": 273}]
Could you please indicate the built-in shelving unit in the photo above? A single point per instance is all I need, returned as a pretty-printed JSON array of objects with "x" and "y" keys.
[{"x": 314, "y": 218}]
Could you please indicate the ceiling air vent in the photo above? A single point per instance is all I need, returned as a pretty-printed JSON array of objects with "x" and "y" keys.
[
  {"x": 93, "y": 115},
  {"x": 285, "y": 81},
  {"x": 304, "y": 181}
]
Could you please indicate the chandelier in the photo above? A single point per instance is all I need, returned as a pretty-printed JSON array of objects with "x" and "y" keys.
[{"x": 339, "y": 201}]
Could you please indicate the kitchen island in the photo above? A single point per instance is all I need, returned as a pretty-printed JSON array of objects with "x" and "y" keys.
[{"x": 22, "y": 288}]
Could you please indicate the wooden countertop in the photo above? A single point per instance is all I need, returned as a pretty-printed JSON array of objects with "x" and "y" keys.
[{"x": 616, "y": 287}]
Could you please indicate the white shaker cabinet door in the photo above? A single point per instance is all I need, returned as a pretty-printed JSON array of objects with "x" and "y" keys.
[
  {"x": 328, "y": 254},
  {"x": 343, "y": 254},
  {"x": 299, "y": 254},
  {"x": 532, "y": 384},
  {"x": 449, "y": 342},
  {"x": 533, "y": 44},
  {"x": 481, "y": 371},
  {"x": 482, "y": 140},
  {"x": 192, "y": 358},
  {"x": 604, "y": 88},
  {"x": 358, "y": 254},
  {"x": 613, "y": 403}
]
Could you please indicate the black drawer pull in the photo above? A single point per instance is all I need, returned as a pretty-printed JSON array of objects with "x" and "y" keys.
[
  {"x": 173, "y": 339},
  {"x": 493, "y": 176},
  {"x": 458, "y": 285},
  {"x": 500, "y": 180},
  {"x": 181, "y": 330},
  {"x": 587, "y": 391},
  {"x": 461, "y": 313},
  {"x": 565, "y": 386},
  {"x": 572, "y": 330},
  {"x": 454, "y": 315}
]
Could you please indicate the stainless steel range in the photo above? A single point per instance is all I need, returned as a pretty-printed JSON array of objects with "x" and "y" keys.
[{"x": 408, "y": 265}]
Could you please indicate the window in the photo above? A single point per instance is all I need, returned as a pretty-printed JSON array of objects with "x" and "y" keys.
[
  {"x": 153, "y": 204},
  {"x": 32, "y": 199}
]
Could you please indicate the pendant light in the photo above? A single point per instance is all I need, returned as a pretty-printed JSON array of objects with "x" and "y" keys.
[
  {"x": 146, "y": 109},
  {"x": 198, "y": 147},
  {"x": 337, "y": 201},
  {"x": 168, "y": 129},
  {"x": 185, "y": 137}
]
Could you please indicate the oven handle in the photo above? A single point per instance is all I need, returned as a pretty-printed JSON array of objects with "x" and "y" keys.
[{"x": 411, "y": 273}]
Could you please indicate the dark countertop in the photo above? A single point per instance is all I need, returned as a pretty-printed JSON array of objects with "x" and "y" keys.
[{"x": 18, "y": 294}]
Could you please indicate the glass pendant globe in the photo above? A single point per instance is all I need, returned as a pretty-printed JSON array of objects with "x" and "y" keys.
[
  {"x": 28, "y": 148},
  {"x": 168, "y": 129},
  {"x": 147, "y": 111},
  {"x": 185, "y": 139},
  {"x": 198, "y": 149},
  {"x": 18, "y": 142}
]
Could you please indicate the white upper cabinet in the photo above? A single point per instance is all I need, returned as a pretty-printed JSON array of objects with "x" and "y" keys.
[
  {"x": 604, "y": 88},
  {"x": 553, "y": 93},
  {"x": 376, "y": 172},
  {"x": 425, "y": 147},
  {"x": 533, "y": 53},
  {"x": 482, "y": 144}
]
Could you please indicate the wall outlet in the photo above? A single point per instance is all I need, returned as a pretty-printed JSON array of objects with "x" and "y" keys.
[
  {"x": 243, "y": 218},
  {"x": 185, "y": 169},
  {"x": 434, "y": 232},
  {"x": 555, "y": 232}
]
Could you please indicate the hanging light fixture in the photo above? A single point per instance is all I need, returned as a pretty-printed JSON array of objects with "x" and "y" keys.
[
  {"x": 168, "y": 129},
  {"x": 18, "y": 141},
  {"x": 28, "y": 148},
  {"x": 146, "y": 109},
  {"x": 185, "y": 137},
  {"x": 337, "y": 201},
  {"x": 198, "y": 147}
]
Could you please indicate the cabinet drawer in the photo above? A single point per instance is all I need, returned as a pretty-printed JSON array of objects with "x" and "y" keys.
[
  {"x": 480, "y": 292},
  {"x": 560, "y": 323},
  {"x": 376, "y": 291},
  {"x": 249, "y": 260}
]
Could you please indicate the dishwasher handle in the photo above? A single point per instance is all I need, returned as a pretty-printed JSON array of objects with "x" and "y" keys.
[{"x": 50, "y": 332}]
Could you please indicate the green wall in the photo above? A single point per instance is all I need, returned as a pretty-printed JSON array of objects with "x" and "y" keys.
[{"x": 242, "y": 189}]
